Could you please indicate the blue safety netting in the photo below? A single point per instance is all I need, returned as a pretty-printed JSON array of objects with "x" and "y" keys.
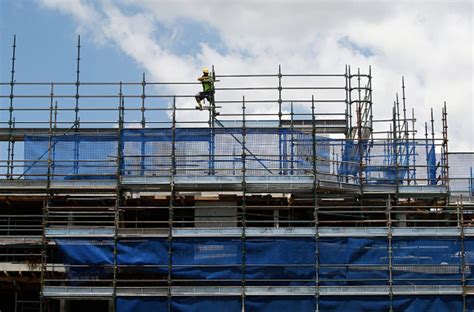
[
  {"x": 350, "y": 164},
  {"x": 471, "y": 182},
  {"x": 206, "y": 151},
  {"x": 283, "y": 259},
  {"x": 354, "y": 304},
  {"x": 86, "y": 259},
  {"x": 439, "y": 303},
  {"x": 203, "y": 151},
  {"x": 207, "y": 258},
  {"x": 428, "y": 303},
  {"x": 389, "y": 162},
  {"x": 83, "y": 251},
  {"x": 73, "y": 157},
  {"x": 382, "y": 303},
  {"x": 208, "y": 304},
  {"x": 353, "y": 261},
  {"x": 426, "y": 261},
  {"x": 469, "y": 260},
  {"x": 133, "y": 304},
  {"x": 470, "y": 303},
  {"x": 431, "y": 162},
  {"x": 150, "y": 251},
  {"x": 280, "y": 303}
]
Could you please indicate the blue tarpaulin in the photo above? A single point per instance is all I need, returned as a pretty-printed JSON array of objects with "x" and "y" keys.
[
  {"x": 431, "y": 162},
  {"x": 82, "y": 251},
  {"x": 354, "y": 304},
  {"x": 352, "y": 261},
  {"x": 425, "y": 261},
  {"x": 280, "y": 304},
  {"x": 287, "y": 261},
  {"x": 207, "y": 304},
  {"x": 281, "y": 258},
  {"x": 86, "y": 259},
  {"x": 142, "y": 252},
  {"x": 145, "y": 304},
  {"x": 207, "y": 258},
  {"x": 428, "y": 303},
  {"x": 441, "y": 303}
]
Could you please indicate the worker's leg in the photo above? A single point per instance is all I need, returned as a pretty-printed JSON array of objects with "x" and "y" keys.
[
  {"x": 199, "y": 97},
  {"x": 210, "y": 98}
]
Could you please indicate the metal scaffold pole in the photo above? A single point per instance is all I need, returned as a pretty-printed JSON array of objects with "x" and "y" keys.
[
  {"x": 47, "y": 200},
  {"x": 244, "y": 206},
  {"x": 11, "y": 142},
  {"x": 315, "y": 200},
  {"x": 118, "y": 192},
  {"x": 390, "y": 250},
  {"x": 445, "y": 152},
  {"x": 76, "y": 107},
  {"x": 280, "y": 134},
  {"x": 143, "y": 125},
  {"x": 171, "y": 205}
]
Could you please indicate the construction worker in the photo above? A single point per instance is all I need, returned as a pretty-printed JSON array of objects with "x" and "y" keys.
[{"x": 207, "y": 82}]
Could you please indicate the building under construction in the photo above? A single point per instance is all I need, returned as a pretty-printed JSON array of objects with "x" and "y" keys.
[{"x": 121, "y": 196}]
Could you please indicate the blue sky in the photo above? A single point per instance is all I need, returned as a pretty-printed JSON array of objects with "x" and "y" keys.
[
  {"x": 46, "y": 48},
  {"x": 425, "y": 41}
]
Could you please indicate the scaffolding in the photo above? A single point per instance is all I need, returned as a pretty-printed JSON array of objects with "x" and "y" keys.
[{"x": 295, "y": 195}]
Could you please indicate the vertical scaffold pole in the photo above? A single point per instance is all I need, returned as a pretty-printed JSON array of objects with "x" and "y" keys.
[
  {"x": 280, "y": 134},
  {"x": 414, "y": 144},
  {"x": 50, "y": 137},
  {"x": 369, "y": 99},
  {"x": 292, "y": 143},
  {"x": 118, "y": 190},
  {"x": 346, "y": 88},
  {"x": 349, "y": 101},
  {"x": 244, "y": 205},
  {"x": 11, "y": 142},
  {"x": 315, "y": 200},
  {"x": 428, "y": 181},
  {"x": 445, "y": 146},
  {"x": 406, "y": 138},
  {"x": 359, "y": 131},
  {"x": 390, "y": 251},
  {"x": 212, "y": 134},
  {"x": 171, "y": 203},
  {"x": 395, "y": 146},
  {"x": 76, "y": 107},
  {"x": 399, "y": 146},
  {"x": 463, "y": 254},
  {"x": 143, "y": 97},
  {"x": 433, "y": 144},
  {"x": 47, "y": 200},
  {"x": 143, "y": 124},
  {"x": 55, "y": 126}
]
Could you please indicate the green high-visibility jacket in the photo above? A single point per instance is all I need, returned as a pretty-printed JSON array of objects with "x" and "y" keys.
[{"x": 207, "y": 83}]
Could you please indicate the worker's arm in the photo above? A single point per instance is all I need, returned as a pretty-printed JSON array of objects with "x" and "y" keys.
[{"x": 206, "y": 79}]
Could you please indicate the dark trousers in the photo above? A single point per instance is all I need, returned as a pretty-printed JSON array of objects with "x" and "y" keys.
[{"x": 205, "y": 95}]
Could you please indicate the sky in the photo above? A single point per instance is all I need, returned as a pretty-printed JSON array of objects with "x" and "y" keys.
[{"x": 430, "y": 43}]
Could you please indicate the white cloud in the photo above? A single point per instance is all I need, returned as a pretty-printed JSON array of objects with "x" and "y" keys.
[{"x": 430, "y": 42}]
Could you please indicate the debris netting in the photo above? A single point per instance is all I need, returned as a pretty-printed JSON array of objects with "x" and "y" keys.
[
  {"x": 218, "y": 152},
  {"x": 295, "y": 303},
  {"x": 277, "y": 261},
  {"x": 131, "y": 304}
]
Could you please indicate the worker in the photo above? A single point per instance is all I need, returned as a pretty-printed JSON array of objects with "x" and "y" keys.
[{"x": 207, "y": 82}]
